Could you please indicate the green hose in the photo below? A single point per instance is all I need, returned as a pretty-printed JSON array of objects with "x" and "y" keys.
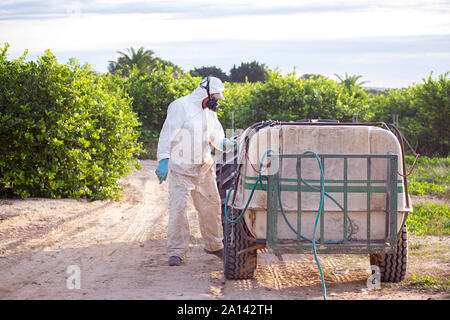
[
  {"x": 259, "y": 180},
  {"x": 326, "y": 194},
  {"x": 322, "y": 194}
]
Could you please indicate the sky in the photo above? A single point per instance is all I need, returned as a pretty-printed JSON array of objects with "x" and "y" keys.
[{"x": 391, "y": 44}]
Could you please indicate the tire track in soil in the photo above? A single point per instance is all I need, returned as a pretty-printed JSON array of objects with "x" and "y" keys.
[
  {"x": 121, "y": 249},
  {"x": 121, "y": 252},
  {"x": 65, "y": 232},
  {"x": 297, "y": 276},
  {"x": 39, "y": 247},
  {"x": 35, "y": 239},
  {"x": 126, "y": 259}
]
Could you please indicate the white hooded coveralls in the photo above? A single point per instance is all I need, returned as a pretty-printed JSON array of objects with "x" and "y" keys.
[{"x": 185, "y": 139}]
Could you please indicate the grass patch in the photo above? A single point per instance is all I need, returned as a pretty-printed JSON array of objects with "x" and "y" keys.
[
  {"x": 435, "y": 251},
  {"x": 438, "y": 283},
  {"x": 429, "y": 218},
  {"x": 431, "y": 177}
]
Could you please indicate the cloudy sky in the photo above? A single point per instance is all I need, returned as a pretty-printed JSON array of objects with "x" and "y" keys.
[{"x": 390, "y": 43}]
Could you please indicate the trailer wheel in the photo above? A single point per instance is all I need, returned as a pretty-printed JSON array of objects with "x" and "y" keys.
[
  {"x": 393, "y": 265},
  {"x": 236, "y": 238}
]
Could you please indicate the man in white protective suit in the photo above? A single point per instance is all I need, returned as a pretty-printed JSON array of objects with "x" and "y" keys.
[{"x": 184, "y": 154}]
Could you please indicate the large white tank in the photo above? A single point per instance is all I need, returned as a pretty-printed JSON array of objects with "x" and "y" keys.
[{"x": 285, "y": 139}]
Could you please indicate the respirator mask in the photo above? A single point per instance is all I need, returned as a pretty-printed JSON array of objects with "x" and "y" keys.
[{"x": 212, "y": 103}]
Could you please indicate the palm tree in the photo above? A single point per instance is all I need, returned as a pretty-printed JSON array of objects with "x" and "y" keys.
[
  {"x": 142, "y": 59},
  {"x": 350, "y": 81}
]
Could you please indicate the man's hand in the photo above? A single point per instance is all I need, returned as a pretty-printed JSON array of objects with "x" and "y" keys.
[
  {"x": 161, "y": 171},
  {"x": 229, "y": 145}
]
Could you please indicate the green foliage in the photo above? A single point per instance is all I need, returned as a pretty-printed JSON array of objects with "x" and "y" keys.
[
  {"x": 209, "y": 71},
  {"x": 238, "y": 98},
  {"x": 431, "y": 177},
  {"x": 433, "y": 106},
  {"x": 248, "y": 71},
  {"x": 256, "y": 93},
  {"x": 439, "y": 283},
  {"x": 423, "y": 110},
  {"x": 311, "y": 76},
  {"x": 152, "y": 93},
  {"x": 288, "y": 98},
  {"x": 143, "y": 60},
  {"x": 350, "y": 81},
  {"x": 65, "y": 131},
  {"x": 429, "y": 218},
  {"x": 426, "y": 189}
]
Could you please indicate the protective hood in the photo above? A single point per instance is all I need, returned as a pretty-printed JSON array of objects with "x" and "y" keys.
[
  {"x": 215, "y": 87},
  {"x": 197, "y": 96}
]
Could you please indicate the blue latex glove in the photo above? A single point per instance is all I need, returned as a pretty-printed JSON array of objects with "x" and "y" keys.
[
  {"x": 229, "y": 145},
  {"x": 161, "y": 171}
]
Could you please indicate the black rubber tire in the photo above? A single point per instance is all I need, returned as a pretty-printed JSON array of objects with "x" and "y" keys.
[
  {"x": 393, "y": 265},
  {"x": 240, "y": 266}
]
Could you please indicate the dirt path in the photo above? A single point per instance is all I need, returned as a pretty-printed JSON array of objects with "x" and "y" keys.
[{"x": 119, "y": 249}]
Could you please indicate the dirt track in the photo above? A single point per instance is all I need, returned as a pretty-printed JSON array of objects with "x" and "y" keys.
[{"x": 120, "y": 250}]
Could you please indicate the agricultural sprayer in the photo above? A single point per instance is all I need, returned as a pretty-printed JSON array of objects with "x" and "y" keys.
[{"x": 315, "y": 186}]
